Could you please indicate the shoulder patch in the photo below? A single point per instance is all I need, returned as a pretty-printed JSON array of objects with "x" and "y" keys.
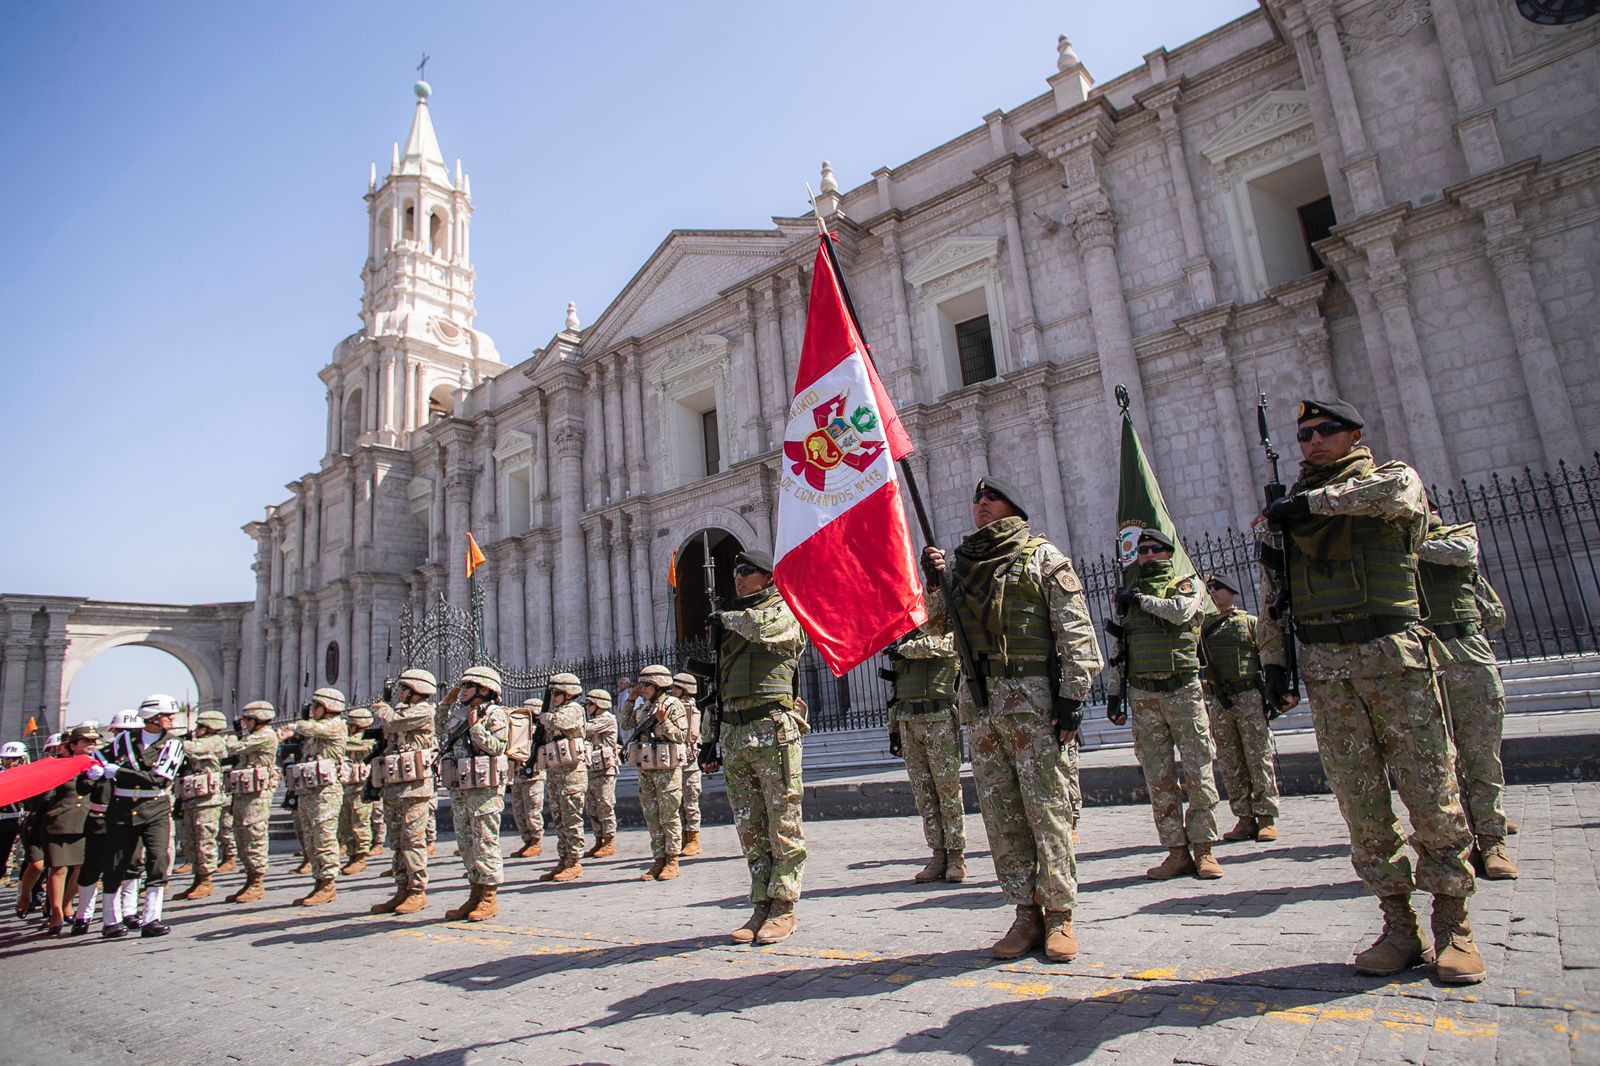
[
  {"x": 1064, "y": 575},
  {"x": 1186, "y": 587}
]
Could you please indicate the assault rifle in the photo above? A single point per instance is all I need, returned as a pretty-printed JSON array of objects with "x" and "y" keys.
[
  {"x": 1275, "y": 560},
  {"x": 709, "y": 674}
]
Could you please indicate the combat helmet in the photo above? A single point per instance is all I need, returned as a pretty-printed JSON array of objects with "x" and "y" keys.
[
  {"x": 215, "y": 721},
  {"x": 420, "y": 681},
  {"x": 259, "y": 711},
  {"x": 486, "y": 677},
  {"x": 687, "y": 682},
  {"x": 657, "y": 675},
  {"x": 600, "y": 698},
  {"x": 330, "y": 698}
]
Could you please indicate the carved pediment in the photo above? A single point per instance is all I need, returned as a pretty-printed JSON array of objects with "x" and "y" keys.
[
  {"x": 514, "y": 444},
  {"x": 952, "y": 255},
  {"x": 1280, "y": 112},
  {"x": 692, "y": 357}
]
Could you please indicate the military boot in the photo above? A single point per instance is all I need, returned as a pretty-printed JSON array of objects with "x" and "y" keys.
[
  {"x": 1497, "y": 863},
  {"x": 1060, "y": 942},
  {"x": 955, "y": 869},
  {"x": 655, "y": 870},
  {"x": 1025, "y": 934},
  {"x": 184, "y": 868},
  {"x": 691, "y": 843},
  {"x": 781, "y": 921},
  {"x": 604, "y": 849},
  {"x": 669, "y": 869},
  {"x": 1206, "y": 866},
  {"x": 324, "y": 892},
  {"x": 746, "y": 933},
  {"x": 1400, "y": 945},
  {"x": 303, "y": 868},
  {"x": 200, "y": 889},
  {"x": 529, "y": 851},
  {"x": 415, "y": 899},
  {"x": 1268, "y": 830},
  {"x": 935, "y": 869},
  {"x": 1177, "y": 864},
  {"x": 1512, "y": 829},
  {"x": 433, "y": 849},
  {"x": 455, "y": 914},
  {"x": 488, "y": 906},
  {"x": 226, "y": 866},
  {"x": 374, "y": 851},
  {"x": 354, "y": 866},
  {"x": 1244, "y": 829},
  {"x": 255, "y": 887},
  {"x": 388, "y": 905},
  {"x": 1459, "y": 962},
  {"x": 569, "y": 871}
]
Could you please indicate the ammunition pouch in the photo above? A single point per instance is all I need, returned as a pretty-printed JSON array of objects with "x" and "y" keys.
[
  {"x": 562, "y": 753},
  {"x": 474, "y": 771},
  {"x": 354, "y": 773},
  {"x": 602, "y": 759},
  {"x": 250, "y": 781},
  {"x": 312, "y": 775},
  {"x": 657, "y": 755},
  {"x": 199, "y": 786},
  {"x": 401, "y": 768}
]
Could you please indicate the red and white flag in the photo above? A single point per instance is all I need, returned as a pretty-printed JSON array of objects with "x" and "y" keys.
[{"x": 843, "y": 554}]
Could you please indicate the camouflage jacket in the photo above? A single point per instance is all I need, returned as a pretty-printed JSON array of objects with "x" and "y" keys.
[
  {"x": 489, "y": 735},
  {"x": 772, "y": 624},
  {"x": 673, "y": 730},
  {"x": 324, "y": 738}
]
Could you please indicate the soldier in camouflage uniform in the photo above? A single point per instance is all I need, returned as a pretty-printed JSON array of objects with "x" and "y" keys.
[
  {"x": 924, "y": 731},
  {"x": 355, "y": 816},
  {"x": 1457, "y": 601},
  {"x": 323, "y": 736},
  {"x": 600, "y": 732},
  {"x": 202, "y": 755},
  {"x": 762, "y": 722},
  {"x": 1021, "y": 605},
  {"x": 686, "y": 688},
  {"x": 1232, "y": 682},
  {"x": 527, "y": 799},
  {"x": 564, "y": 720},
  {"x": 660, "y": 786},
  {"x": 470, "y": 725},
  {"x": 1350, "y": 530},
  {"x": 1160, "y": 636},
  {"x": 407, "y": 805},
  {"x": 256, "y": 747}
]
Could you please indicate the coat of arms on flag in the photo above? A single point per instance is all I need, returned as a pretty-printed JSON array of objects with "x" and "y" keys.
[{"x": 837, "y": 441}]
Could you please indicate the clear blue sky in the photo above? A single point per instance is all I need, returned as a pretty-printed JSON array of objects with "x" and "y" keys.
[{"x": 186, "y": 230}]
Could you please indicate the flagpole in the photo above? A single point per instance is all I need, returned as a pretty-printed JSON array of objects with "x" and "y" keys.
[{"x": 963, "y": 643}]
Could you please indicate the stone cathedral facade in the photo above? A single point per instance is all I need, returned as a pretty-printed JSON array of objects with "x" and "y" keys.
[{"x": 1396, "y": 201}]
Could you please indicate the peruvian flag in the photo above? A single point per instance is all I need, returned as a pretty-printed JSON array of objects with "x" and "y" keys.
[{"x": 843, "y": 558}]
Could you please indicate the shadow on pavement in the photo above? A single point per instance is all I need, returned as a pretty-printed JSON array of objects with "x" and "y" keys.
[{"x": 1257, "y": 900}]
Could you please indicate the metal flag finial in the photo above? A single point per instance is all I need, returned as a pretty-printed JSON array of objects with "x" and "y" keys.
[{"x": 1123, "y": 400}]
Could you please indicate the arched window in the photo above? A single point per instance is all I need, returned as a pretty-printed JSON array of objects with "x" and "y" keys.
[
  {"x": 409, "y": 227},
  {"x": 350, "y": 424},
  {"x": 441, "y": 402},
  {"x": 436, "y": 234}
]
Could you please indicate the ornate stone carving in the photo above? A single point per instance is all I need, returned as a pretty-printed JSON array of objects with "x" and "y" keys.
[
  {"x": 1382, "y": 21},
  {"x": 1093, "y": 224},
  {"x": 567, "y": 441}
]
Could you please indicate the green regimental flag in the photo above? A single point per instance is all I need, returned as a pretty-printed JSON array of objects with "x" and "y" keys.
[{"x": 1140, "y": 507}]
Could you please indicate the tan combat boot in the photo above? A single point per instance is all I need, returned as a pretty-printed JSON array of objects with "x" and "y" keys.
[
  {"x": 1206, "y": 866},
  {"x": 255, "y": 887},
  {"x": 746, "y": 933},
  {"x": 691, "y": 843},
  {"x": 303, "y": 868},
  {"x": 654, "y": 871},
  {"x": 955, "y": 868},
  {"x": 200, "y": 889},
  {"x": 226, "y": 866},
  {"x": 455, "y": 914},
  {"x": 487, "y": 906},
  {"x": 324, "y": 892},
  {"x": 388, "y": 905},
  {"x": 529, "y": 851},
  {"x": 433, "y": 849},
  {"x": 1025, "y": 934},
  {"x": 414, "y": 901},
  {"x": 1244, "y": 829},
  {"x": 781, "y": 921},
  {"x": 935, "y": 869},
  {"x": 354, "y": 866},
  {"x": 183, "y": 869},
  {"x": 1176, "y": 864},
  {"x": 604, "y": 849},
  {"x": 1496, "y": 861},
  {"x": 374, "y": 851},
  {"x": 1060, "y": 942},
  {"x": 1512, "y": 829},
  {"x": 1459, "y": 962},
  {"x": 1268, "y": 830},
  {"x": 570, "y": 871},
  {"x": 669, "y": 869},
  {"x": 1401, "y": 944},
  {"x": 1074, "y": 836}
]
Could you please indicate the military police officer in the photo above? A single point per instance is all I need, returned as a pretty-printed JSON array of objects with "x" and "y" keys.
[
  {"x": 406, "y": 777},
  {"x": 142, "y": 765},
  {"x": 924, "y": 731},
  {"x": 474, "y": 731},
  {"x": 566, "y": 762},
  {"x": 1021, "y": 606},
  {"x": 1232, "y": 681}
]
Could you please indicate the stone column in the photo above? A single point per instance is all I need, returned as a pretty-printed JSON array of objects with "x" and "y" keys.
[
  {"x": 572, "y": 641},
  {"x": 792, "y": 325},
  {"x": 458, "y": 501},
  {"x": 781, "y": 386},
  {"x": 1042, "y": 424},
  {"x": 1387, "y": 278},
  {"x": 344, "y": 620},
  {"x": 489, "y": 582},
  {"x": 1094, "y": 229},
  {"x": 1207, "y": 327},
  {"x": 633, "y": 421},
  {"x": 1302, "y": 299},
  {"x": 597, "y": 440},
  {"x": 13, "y": 712},
  {"x": 513, "y": 597},
  {"x": 386, "y": 408},
  {"x": 1352, "y": 270},
  {"x": 230, "y": 678},
  {"x": 644, "y": 588},
  {"x": 621, "y": 589},
  {"x": 974, "y": 439},
  {"x": 599, "y": 590},
  {"x": 616, "y": 466},
  {"x": 541, "y": 605},
  {"x": 309, "y": 667},
  {"x": 1475, "y": 124},
  {"x": 746, "y": 413},
  {"x": 272, "y": 669},
  {"x": 335, "y": 422},
  {"x": 1196, "y": 264},
  {"x": 907, "y": 375},
  {"x": 1024, "y": 325},
  {"x": 55, "y": 657},
  {"x": 540, "y": 467},
  {"x": 1360, "y": 165},
  {"x": 363, "y": 663}
]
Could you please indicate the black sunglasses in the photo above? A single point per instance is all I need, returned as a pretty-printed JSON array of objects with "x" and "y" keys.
[
  {"x": 987, "y": 494},
  {"x": 1153, "y": 549},
  {"x": 1323, "y": 430},
  {"x": 745, "y": 570}
]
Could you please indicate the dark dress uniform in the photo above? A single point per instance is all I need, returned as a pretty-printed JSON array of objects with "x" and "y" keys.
[{"x": 140, "y": 812}]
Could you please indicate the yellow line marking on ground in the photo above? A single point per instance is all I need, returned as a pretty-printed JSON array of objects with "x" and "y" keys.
[{"x": 421, "y": 934}]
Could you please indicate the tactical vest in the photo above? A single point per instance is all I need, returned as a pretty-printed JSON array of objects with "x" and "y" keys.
[
  {"x": 1026, "y": 615},
  {"x": 925, "y": 681},
  {"x": 1231, "y": 655},
  {"x": 754, "y": 670},
  {"x": 1156, "y": 646},
  {"x": 1379, "y": 578},
  {"x": 1447, "y": 590}
]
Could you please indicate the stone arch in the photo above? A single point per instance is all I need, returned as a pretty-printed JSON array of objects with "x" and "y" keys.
[
  {"x": 691, "y": 604},
  {"x": 204, "y": 664}
]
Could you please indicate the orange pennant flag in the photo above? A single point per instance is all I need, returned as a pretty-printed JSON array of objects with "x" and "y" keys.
[
  {"x": 672, "y": 571},
  {"x": 31, "y": 728},
  {"x": 475, "y": 557}
]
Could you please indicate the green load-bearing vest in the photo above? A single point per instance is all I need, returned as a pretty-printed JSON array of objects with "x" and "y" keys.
[
  {"x": 1156, "y": 646},
  {"x": 751, "y": 669},
  {"x": 1448, "y": 592},
  {"x": 925, "y": 680},
  {"x": 1027, "y": 615},
  {"x": 1379, "y": 578},
  {"x": 1231, "y": 655}
]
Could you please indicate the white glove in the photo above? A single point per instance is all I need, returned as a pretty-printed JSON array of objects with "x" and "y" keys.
[{"x": 103, "y": 769}]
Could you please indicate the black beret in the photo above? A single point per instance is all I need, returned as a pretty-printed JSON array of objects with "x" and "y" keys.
[
  {"x": 1011, "y": 495},
  {"x": 1337, "y": 410},
  {"x": 1225, "y": 581},
  {"x": 1152, "y": 533},
  {"x": 760, "y": 560}
]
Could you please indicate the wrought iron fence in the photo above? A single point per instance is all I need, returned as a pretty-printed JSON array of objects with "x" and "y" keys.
[{"x": 1539, "y": 536}]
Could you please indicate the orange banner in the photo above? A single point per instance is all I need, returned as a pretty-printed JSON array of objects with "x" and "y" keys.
[{"x": 475, "y": 557}]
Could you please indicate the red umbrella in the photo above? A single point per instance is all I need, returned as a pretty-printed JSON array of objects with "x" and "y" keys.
[{"x": 30, "y": 779}]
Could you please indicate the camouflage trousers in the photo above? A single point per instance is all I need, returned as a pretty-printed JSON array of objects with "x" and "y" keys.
[
  {"x": 1020, "y": 770},
  {"x": 1074, "y": 785},
  {"x": 355, "y": 823},
  {"x": 378, "y": 826},
  {"x": 405, "y": 818},
  {"x": 225, "y": 845},
  {"x": 527, "y": 805},
  {"x": 601, "y": 803},
  {"x": 661, "y": 797},
  {"x": 568, "y": 787},
  {"x": 1244, "y": 752},
  {"x": 318, "y": 817},
  {"x": 430, "y": 828},
  {"x": 1477, "y": 703},
  {"x": 204, "y": 824},
  {"x": 183, "y": 835},
  {"x": 691, "y": 796},
  {"x": 475, "y": 813},
  {"x": 250, "y": 817},
  {"x": 1164, "y": 722},
  {"x": 1370, "y": 729},
  {"x": 932, "y": 745},
  {"x": 764, "y": 790}
]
